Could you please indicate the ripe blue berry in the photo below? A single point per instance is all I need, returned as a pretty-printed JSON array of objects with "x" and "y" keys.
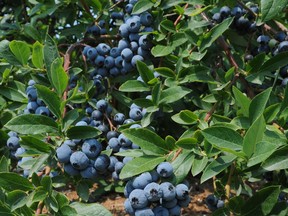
[
  {"x": 119, "y": 118},
  {"x": 89, "y": 173},
  {"x": 92, "y": 148},
  {"x": 133, "y": 24},
  {"x": 128, "y": 207},
  {"x": 135, "y": 59},
  {"x": 165, "y": 169},
  {"x": 175, "y": 211},
  {"x": 41, "y": 110},
  {"x": 185, "y": 202},
  {"x": 97, "y": 115},
  {"x": 225, "y": 11},
  {"x": 160, "y": 211},
  {"x": 13, "y": 143},
  {"x": 102, "y": 162},
  {"x": 115, "y": 52},
  {"x": 144, "y": 212},
  {"x": 112, "y": 134},
  {"x": 113, "y": 161},
  {"x": 135, "y": 114},
  {"x": 114, "y": 144},
  {"x": 138, "y": 199},
  {"x": 127, "y": 54},
  {"x": 169, "y": 204},
  {"x": 109, "y": 62},
  {"x": 118, "y": 167},
  {"x": 168, "y": 191},
  {"x": 63, "y": 153},
  {"x": 99, "y": 60},
  {"x": 124, "y": 141},
  {"x": 182, "y": 191},
  {"x": 79, "y": 160},
  {"x": 123, "y": 30},
  {"x": 103, "y": 49},
  {"x": 70, "y": 170},
  {"x": 128, "y": 188},
  {"x": 146, "y": 19},
  {"x": 153, "y": 192},
  {"x": 128, "y": 8},
  {"x": 144, "y": 42},
  {"x": 142, "y": 180},
  {"x": 102, "y": 105},
  {"x": 91, "y": 53}
]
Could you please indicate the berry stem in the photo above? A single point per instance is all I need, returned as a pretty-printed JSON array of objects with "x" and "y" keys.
[
  {"x": 210, "y": 112},
  {"x": 181, "y": 15}
]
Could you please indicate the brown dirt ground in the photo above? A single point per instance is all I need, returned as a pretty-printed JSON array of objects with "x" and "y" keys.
[{"x": 198, "y": 192}]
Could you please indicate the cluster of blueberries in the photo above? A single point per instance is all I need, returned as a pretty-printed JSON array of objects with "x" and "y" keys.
[
  {"x": 150, "y": 193},
  {"x": 134, "y": 45},
  {"x": 244, "y": 21},
  {"x": 213, "y": 203},
  {"x": 35, "y": 105}
]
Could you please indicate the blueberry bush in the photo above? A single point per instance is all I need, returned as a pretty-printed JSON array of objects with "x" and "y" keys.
[{"x": 137, "y": 97}]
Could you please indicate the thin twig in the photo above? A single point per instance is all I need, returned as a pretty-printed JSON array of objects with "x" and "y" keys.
[
  {"x": 210, "y": 112},
  {"x": 181, "y": 15},
  {"x": 39, "y": 208},
  {"x": 86, "y": 7},
  {"x": 228, "y": 185}
]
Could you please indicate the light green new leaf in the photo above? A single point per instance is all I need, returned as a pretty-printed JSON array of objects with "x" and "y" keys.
[
  {"x": 254, "y": 135},
  {"x": 141, "y": 6},
  {"x": 134, "y": 86},
  {"x": 173, "y": 94},
  {"x": 94, "y": 209},
  {"x": 160, "y": 50},
  {"x": 271, "y": 8},
  {"x": 59, "y": 77},
  {"x": 21, "y": 50},
  {"x": 37, "y": 55},
  {"x": 242, "y": 101}
]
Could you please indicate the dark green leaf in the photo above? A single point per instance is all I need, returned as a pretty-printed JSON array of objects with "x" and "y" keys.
[
  {"x": 16, "y": 199},
  {"x": 141, "y": 6},
  {"x": 6, "y": 53},
  {"x": 58, "y": 75},
  {"x": 35, "y": 144},
  {"x": 147, "y": 140},
  {"x": 52, "y": 203},
  {"x": 262, "y": 202},
  {"x": 198, "y": 165},
  {"x": 83, "y": 190},
  {"x": 50, "y": 98},
  {"x": 156, "y": 93},
  {"x": 69, "y": 118},
  {"x": 185, "y": 117},
  {"x": 32, "y": 124},
  {"x": 13, "y": 181},
  {"x": 37, "y": 55},
  {"x": 68, "y": 211},
  {"x": 235, "y": 204},
  {"x": 46, "y": 183},
  {"x": 160, "y": 50},
  {"x": 242, "y": 101},
  {"x": 278, "y": 160},
  {"x": 217, "y": 166},
  {"x": 165, "y": 72},
  {"x": 274, "y": 62},
  {"x": 39, "y": 195},
  {"x": 254, "y": 135},
  {"x": 280, "y": 209},
  {"x": 256, "y": 63},
  {"x": 12, "y": 93},
  {"x": 271, "y": 8},
  {"x": 258, "y": 104},
  {"x": 182, "y": 165},
  {"x": 21, "y": 50},
  {"x": 186, "y": 143},
  {"x": 168, "y": 25},
  {"x": 4, "y": 164},
  {"x": 144, "y": 71},
  {"x": 90, "y": 209},
  {"x": 178, "y": 39},
  {"x": 83, "y": 132},
  {"x": 173, "y": 94},
  {"x": 140, "y": 165},
  {"x": 38, "y": 163},
  {"x": 134, "y": 86}
]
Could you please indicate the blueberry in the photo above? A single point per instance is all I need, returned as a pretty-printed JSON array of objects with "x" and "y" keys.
[
  {"x": 114, "y": 71},
  {"x": 134, "y": 37},
  {"x": 89, "y": 173},
  {"x": 119, "y": 118},
  {"x": 143, "y": 52},
  {"x": 102, "y": 105},
  {"x": 12, "y": 134},
  {"x": 242, "y": 23},
  {"x": 81, "y": 123},
  {"x": 160, "y": 211},
  {"x": 211, "y": 200},
  {"x": 134, "y": 46},
  {"x": 117, "y": 15},
  {"x": 112, "y": 134},
  {"x": 19, "y": 152},
  {"x": 114, "y": 144},
  {"x": 89, "y": 110},
  {"x": 144, "y": 212},
  {"x": 95, "y": 123},
  {"x": 129, "y": 8},
  {"x": 133, "y": 2},
  {"x": 148, "y": 29},
  {"x": 123, "y": 30},
  {"x": 91, "y": 53},
  {"x": 165, "y": 169},
  {"x": 13, "y": 143},
  {"x": 128, "y": 188},
  {"x": 32, "y": 106},
  {"x": 127, "y": 159},
  {"x": 95, "y": 30},
  {"x": 168, "y": 191},
  {"x": 99, "y": 60},
  {"x": 220, "y": 204},
  {"x": 169, "y": 204},
  {"x": 128, "y": 121},
  {"x": 185, "y": 202},
  {"x": 92, "y": 148},
  {"x": 138, "y": 199},
  {"x": 134, "y": 146},
  {"x": 142, "y": 180},
  {"x": 225, "y": 11},
  {"x": 135, "y": 59},
  {"x": 79, "y": 160},
  {"x": 70, "y": 170},
  {"x": 127, "y": 66},
  {"x": 97, "y": 115},
  {"x": 113, "y": 161},
  {"x": 280, "y": 36},
  {"x": 144, "y": 42},
  {"x": 146, "y": 19},
  {"x": 102, "y": 162},
  {"x": 41, "y": 110},
  {"x": 135, "y": 126},
  {"x": 263, "y": 49},
  {"x": 283, "y": 46},
  {"x": 122, "y": 44},
  {"x": 63, "y": 153},
  {"x": 175, "y": 211},
  {"x": 284, "y": 81},
  {"x": 103, "y": 49},
  {"x": 263, "y": 39},
  {"x": 103, "y": 128},
  {"x": 182, "y": 191},
  {"x": 31, "y": 82},
  {"x": 70, "y": 143},
  {"x": 40, "y": 102},
  {"x": 135, "y": 114},
  {"x": 118, "y": 62},
  {"x": 115, "y": 52},
  {"x": 153, "y": 192},
  {"x": 133, "y": 24},
  {"x": 154, "y": 175},
  {"x": 32, "y": 94},
  {"x": 118, "y": 167},
  {"x": 237, "y": 12},
  {"x": 284, "y": 71},
  {"x": 217, "y": 17},
  {"x": 127, "y": 54},
  {"x": 102, "y": 23},
  {"x": 124, "y": 141},
  {"x": 109, "y": 62},
  {"x": 128, "y": 207},
  {"x": 115, "y": 176}
]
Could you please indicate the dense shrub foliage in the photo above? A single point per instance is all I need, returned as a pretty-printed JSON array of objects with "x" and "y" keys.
[{"x": 137, "y": 97}]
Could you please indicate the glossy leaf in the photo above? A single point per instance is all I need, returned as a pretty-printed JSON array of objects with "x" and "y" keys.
[
  {"x": 21, "y": 50},
  {"x": 134, "y": 86},
  {"x": 13, "y": 181},
  {"x": 93, "y": 209},
  {"x": 59, "y": 77},
  {"x": 141, "y": 6},
  {"x": 278, "y": 160},
  {"x": 83, "y": 132},
  {"x": 37, "y": 55},
  {"x": 271, "y": 8}
]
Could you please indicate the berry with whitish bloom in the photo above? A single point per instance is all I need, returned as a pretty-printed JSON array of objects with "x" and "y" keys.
[
  {"x": 114, "y": 144},
  {"x": 153, "y": 192},
  {"x": 142, "y": 180},
  {"x": 118, "y": 166},
  {"x": 168, "y": 191},
  {"x": 41, "y": 110},
  {"x": 13, "y": 143},
  {"x": 70, "y": 170},
  {"x": 124, "y": 141},
  {"x": 128, "y": 207},
  {"x": 160, "y": 211},
  {"x": 175, "y": 211},
  {"x": 138, "y": 199},
  {"x": 182, "y": 191},
  {"x": 165, "y": 169},
  {"x": 135, "y": 114},
  {"x": 89, "y": 173},
  {"x": 144, "y": 212},
  {"x": 79, "y": 160},
  {"x": 63, "y": 153},
  {"x": 92, "y": 148},
  {"x": 102, "y": 162},
  {"x": 119, "y": 118},
  {"x": 102, "y": 105},
  {"x": 113, "y": 161}
]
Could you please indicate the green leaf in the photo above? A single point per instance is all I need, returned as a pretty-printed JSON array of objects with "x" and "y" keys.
[
  {"x": 182, "y": 165},
  {"x": 173, "y": 94},
  {"x": 178, "y": 39},
  {"x": 258, "y": 104},
  {"x": 134, "y": 86},
  {"x": 83, "y": 132},
  {"x": 35, "y": 144},
  {"x": 50, "y": 98},
  {"x": 161, "y": 50},
  {"x": 217, "y": 166},
  {"x": 144, "y": 71},
  {"x": 274, "y": 62},
  {"x": 165, "y": 72},
  {"x": 279, "y": 209},
  {"x": 215, "y": 33},
  {"x": 69, "y": 118},
  {"x": 21, "y": 50},
  {"x": 263, "y": 151},
  {"x": 195, "y": 74},
  {"x": 16, "y": 199},
  {"x": 147, "y": 140},
  {"x": 46, "y": 183},
  {"x": 4, "y": 164},
  {"x": 168, "y": 25},
  {"x": 271, "y": 8},
  {"x": 58, "y": 75},
  {"x": 198, "y": 165},
  {"x": 68, "y": 211},
  {"x": 185, "y": 117},
  {"x": 242, "y": 101},
  {"x": 223, "y": 138},
  {"x": 156, "y": 93},
  {"x": 83, "y": 190},
  {"x": 262, "y": 202},
  {"x": 39, "y": 195},
  {"x": 50, "y": 54},
  {"x": 254, "y": 65},
  {"x": 37, "y": 55},
  {"x": 90, "y": 209},
  {"x": 271, "y": 112},
  {"x": 13, "y": 181},
  {"x": 52, "y": 203},
  {"x": 6, "y": 53},
  {"x": 32, "y": 124},
  {"x": 140, "y": 165},
  {"x": 277, "y": 161},
  {"x": 254, "y": 135},
  {"x": 62, "y": 200},
  {"x": 38, "y": 163},
  {"x": 186, "y": 143},
  {"x": 12, "y": 93},
  {"x": 141, "y": 6},
  {"x": 235, "y": 204}
]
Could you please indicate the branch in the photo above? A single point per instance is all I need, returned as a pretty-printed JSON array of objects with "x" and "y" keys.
[
  {"x": 228, "y": 185},
  {"x": 39, "y": 208},
  {"x": 181, "y": 15},
  {"x": 86, "y": 8},
  {"x": 211, "y": 111}
]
